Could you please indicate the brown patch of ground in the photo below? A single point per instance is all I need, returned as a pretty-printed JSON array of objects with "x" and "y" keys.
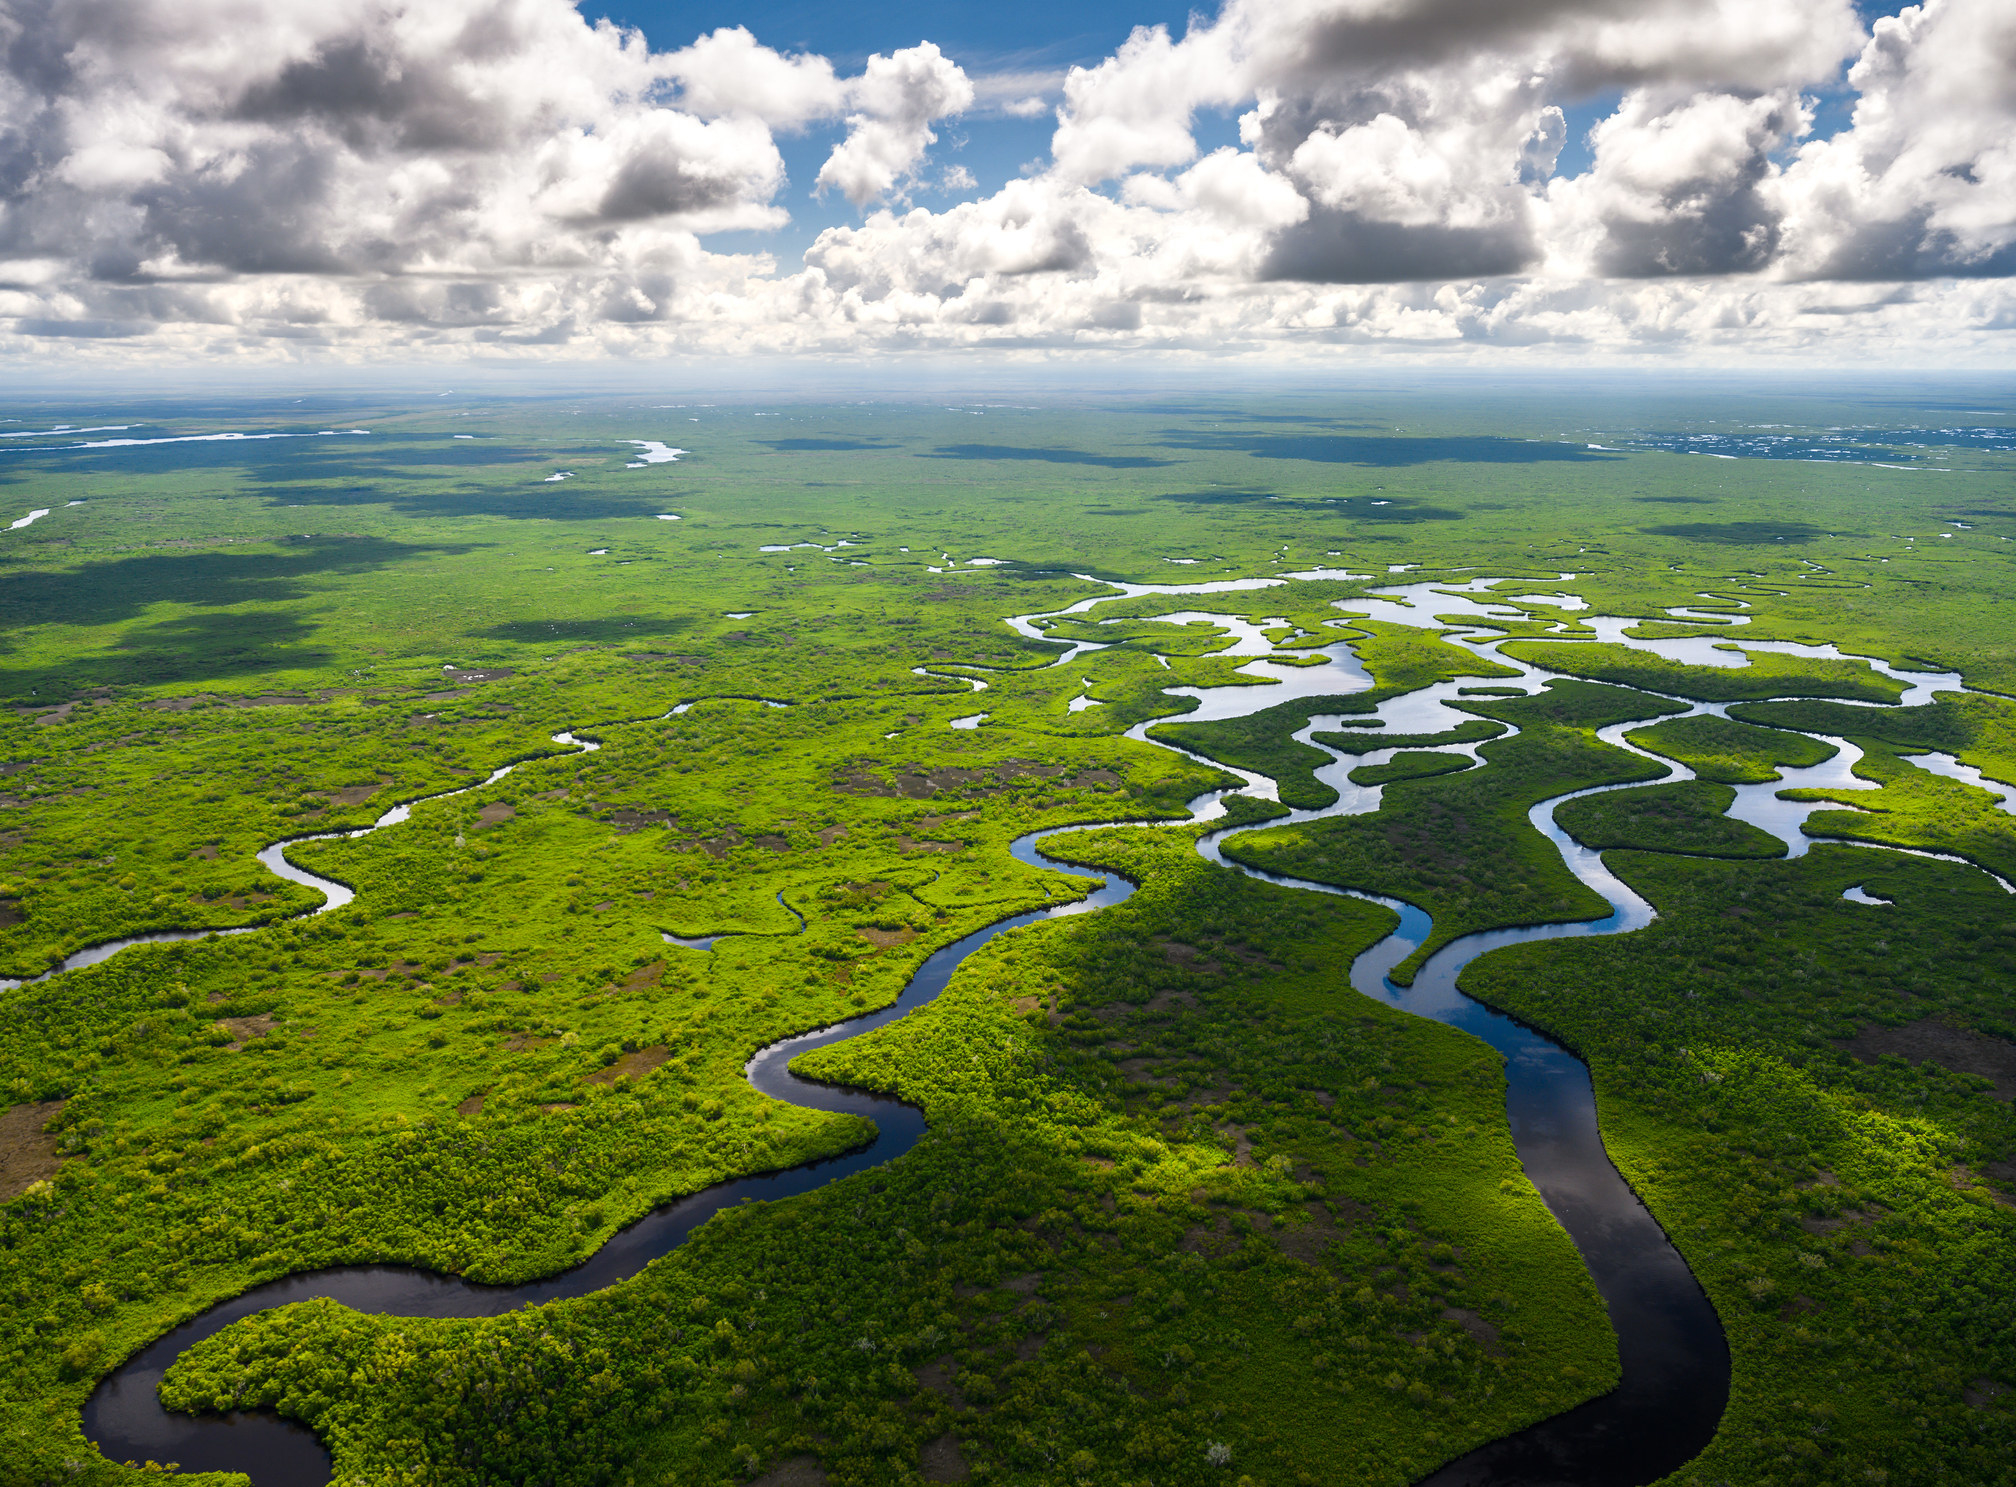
[
  {"x": 495, "y": 814},
  {"x": 1030, "y": 1346},
  {"x": 10, "y": 913},
  {"x": 797, "y": 1471},
  {"x": 1983, "y": 1392},
  {"x": 354, "y": 794},
  {"x": 207, "y": 853},
  {"x": 941, "y": 1461},
  {"x": 636, "y": 1065},
  {"x": 1135, "y": 1071},
  {"x": 1211, "y": 1239},
  {"x": 244, "y": 1029},
  {"x": 628, "y": 820},
  {"x": 932, "y": 823},
  {"x": 771, "y": 841},
  {"x": 1842, "y": 1221},
  {"x": 479, "y": 674},
  {"x": 882, "y": 939},
  {"x": 1242, "y": 1147},
  {"x": 1960, "y": 1050},
  {"x": 27, "y": 1152},
  {"x": 831, "y": 834},
  {"x": 523, "y": 1042},
  {"x": 557, "y": 1107},
  {"x": 607, "y": 903},
  {"x": 471, "y": 1106},
  {"x": 644, "y": 975},
  {"x": 1163, "y": 1001},
  {"x": 938, "y": 1376},
  {"x": 1481, "y": 1331},
  {"x": 1309, "y": 1242},
  {"x": 905, "y": 844}
]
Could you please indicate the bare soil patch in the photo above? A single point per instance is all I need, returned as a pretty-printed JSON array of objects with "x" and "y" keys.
[
  {"x": 941, "y": 1461},
  {"x": 882, "y": 939},
  {"x": 27, "y": 1152},
  {"x": 471, "y": 1106},
  {"x": 905, "y": 844},
  {"x": 495, "y": 814},
  {"x": 1481, "y": 1331},
  {"x": 831, "y": 834},
  {"x": 244, "y": 1029},
  {"x": 1960, "y": 1050},
  {"x": 207, "y": 853},
  {"x": 937, "y": 1376},
  {"x": 628, "y": 820},
  {"x": 636, "y": 1065}
]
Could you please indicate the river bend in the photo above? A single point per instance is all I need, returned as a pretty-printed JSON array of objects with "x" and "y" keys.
[{"x": 1675, "y": 1362}]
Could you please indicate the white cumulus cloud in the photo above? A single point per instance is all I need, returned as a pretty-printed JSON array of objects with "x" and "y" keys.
[{"x": 386, "y": 177}]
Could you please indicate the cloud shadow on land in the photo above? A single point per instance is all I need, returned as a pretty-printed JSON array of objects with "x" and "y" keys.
[
  {"x": 1386, "y": 451},
  {"x": 585, "y": 632},
  {"x": 304, "y": 458},
  {"x": 1739, "y": 533},
  {"x": 191, "y": 648},
  {"x": 1397, "y": 509},
  {"x": 835, "y": 445},
  {"x": 1051, "y": 456},
  {"x": 117, "y": 589},
  {"x": 527, "y": 498}
]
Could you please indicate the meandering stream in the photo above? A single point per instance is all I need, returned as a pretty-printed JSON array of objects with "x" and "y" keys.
[{"x": 1675, "y": 1361}]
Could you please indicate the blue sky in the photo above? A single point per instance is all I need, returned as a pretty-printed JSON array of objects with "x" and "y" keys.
[
  {"x": 995, "y": 37},
  {"x": 1038, "y": 36}
]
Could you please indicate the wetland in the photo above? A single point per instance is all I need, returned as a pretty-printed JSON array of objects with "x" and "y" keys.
[{"x": 514, "y": 989}]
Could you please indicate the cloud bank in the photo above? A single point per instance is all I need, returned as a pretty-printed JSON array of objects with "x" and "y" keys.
[{"x": 369, "y": 178}]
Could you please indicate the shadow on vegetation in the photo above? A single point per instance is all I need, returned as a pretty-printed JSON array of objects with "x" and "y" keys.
[
  {"x": 337, "y": 458},
  {"x": 1051, "y": 456},
  {"x": 1739, "y": 533},
  {"x": 117, "y": 589},
  {"x": 528, "y": 499},
  {"x": 1676, "y": 500},
  {"x": 1219, "y": 498},
  {"x": 813, "y": 446},
  {"x": 192, "y": 648},
  {"x": 549, "y": 632},
  {"x": 1386, "y": 450}
]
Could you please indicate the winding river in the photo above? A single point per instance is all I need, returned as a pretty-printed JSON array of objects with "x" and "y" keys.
[{"x": 1675, "y": 1361}]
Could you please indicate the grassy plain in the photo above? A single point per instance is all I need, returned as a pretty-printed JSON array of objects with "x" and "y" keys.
[{"x": 1184, "y": 1189}]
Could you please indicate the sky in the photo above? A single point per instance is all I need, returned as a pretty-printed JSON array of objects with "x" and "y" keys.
[{"x": 1275, "y": 182}]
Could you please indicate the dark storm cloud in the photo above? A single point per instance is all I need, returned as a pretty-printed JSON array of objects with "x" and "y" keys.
[{"x": 1342, "y": 248}]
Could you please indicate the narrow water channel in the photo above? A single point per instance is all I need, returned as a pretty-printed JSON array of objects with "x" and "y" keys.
[{"x": 1675, "y": 1361}]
